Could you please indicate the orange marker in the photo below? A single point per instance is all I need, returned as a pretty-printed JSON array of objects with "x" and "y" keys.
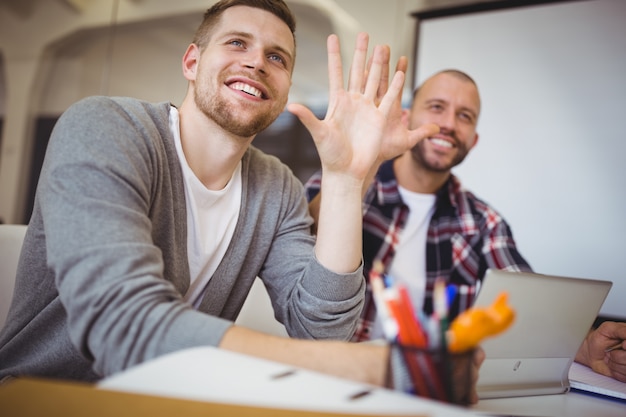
[{"x": 475, "y": 324}]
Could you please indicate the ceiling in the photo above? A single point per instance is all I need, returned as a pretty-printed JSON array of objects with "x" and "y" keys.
[{"x": 24, "y": 8}]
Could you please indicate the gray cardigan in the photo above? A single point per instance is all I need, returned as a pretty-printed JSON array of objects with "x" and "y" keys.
[{"x": 104, "y": 261}]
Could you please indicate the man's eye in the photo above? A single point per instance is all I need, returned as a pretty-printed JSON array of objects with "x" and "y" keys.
[
  {"x": 277, "y": 58},
  {"x": 466, "y": 117},
  {"x": 236, "y": 42}
]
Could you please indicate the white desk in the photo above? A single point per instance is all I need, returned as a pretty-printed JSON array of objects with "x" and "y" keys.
[{"x": 215, "y": 375}]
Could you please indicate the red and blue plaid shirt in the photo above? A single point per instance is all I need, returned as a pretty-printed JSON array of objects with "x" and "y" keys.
[{"x": 465, "y": 238}]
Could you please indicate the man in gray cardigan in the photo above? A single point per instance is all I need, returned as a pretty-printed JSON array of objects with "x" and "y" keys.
[{"x": 151, "y": 222}]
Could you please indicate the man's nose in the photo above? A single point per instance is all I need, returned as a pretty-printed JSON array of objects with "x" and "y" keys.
[
  {"x": 255, "y": 59},
  {"x": 448, "y": 121}
]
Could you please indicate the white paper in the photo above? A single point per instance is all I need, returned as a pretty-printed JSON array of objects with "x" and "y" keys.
[
  {"x": 216, "y": 375},
  {"x": 583, "y": 378}
]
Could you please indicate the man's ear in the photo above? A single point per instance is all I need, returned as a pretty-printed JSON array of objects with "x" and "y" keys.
[
  {"x": 190, "y": 61},
  {"x": 475, "y": 141}
]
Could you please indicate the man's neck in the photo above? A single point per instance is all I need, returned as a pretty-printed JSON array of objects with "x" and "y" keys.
[
  {"x": 414, "y": 177},
  {"x": 211, "y": 152}
]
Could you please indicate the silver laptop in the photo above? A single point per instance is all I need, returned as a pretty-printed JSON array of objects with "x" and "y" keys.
[{"x": 553, "y": 316}]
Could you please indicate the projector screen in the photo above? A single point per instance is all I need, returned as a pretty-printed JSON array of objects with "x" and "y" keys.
[{"x": 552, "y": 79}]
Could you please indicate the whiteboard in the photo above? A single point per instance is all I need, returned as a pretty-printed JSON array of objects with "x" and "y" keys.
[{"x": 552, "y": 79}]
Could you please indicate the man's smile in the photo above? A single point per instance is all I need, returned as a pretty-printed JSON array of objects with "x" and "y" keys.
[
  {"x": 247, "y": 86},
  {"x": 441, "y": 142}
]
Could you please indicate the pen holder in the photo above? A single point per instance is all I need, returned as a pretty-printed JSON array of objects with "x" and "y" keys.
[{"x": 432, "y": 373}]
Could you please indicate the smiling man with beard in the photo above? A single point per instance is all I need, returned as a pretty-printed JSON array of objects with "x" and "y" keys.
[
  {"x": 419, "y": 222},
  {"x": 151, "y": 221},
  {"x": 422, "y": 225}
]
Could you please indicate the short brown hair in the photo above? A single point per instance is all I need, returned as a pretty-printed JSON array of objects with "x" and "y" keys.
[
  {"x": 455, "y": 73},
  {"x": 277, "y": 7}
]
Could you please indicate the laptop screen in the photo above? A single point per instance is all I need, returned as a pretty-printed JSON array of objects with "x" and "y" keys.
[{"x": 553, "y": 316}]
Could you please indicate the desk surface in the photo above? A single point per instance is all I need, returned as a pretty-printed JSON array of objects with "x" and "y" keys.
[
  {"x": 572, "y": 404},
  {"x": 50, "y": 398},
  {"x": 209, "y": 374}
]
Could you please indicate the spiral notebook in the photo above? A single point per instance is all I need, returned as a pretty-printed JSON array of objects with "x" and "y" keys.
[{"x": 553, "y": 316}]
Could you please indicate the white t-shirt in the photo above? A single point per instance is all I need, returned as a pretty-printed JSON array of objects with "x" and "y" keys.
[
  {"x": 211, "y": 219},
  {"x": 409, "y": 262}
]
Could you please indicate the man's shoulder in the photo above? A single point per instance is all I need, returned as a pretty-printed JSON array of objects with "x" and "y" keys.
[
  {"x": 110, "y": 125},
  {"x": 127, "y": 104},
  {"x": 109, "y": 113},
  {"x": 466, "y": 199},
  {"x": 102, "y": 107}
]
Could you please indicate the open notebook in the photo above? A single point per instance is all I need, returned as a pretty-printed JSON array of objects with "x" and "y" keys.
[
  {"x": 583, "y": 378},
  {"x": 553, "y": 316}
]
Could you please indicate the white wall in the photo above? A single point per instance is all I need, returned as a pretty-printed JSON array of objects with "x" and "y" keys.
[{"x": 552, "y": 139}]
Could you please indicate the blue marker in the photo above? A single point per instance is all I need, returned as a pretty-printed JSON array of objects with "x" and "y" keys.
[{"x": 451, "y": 291}]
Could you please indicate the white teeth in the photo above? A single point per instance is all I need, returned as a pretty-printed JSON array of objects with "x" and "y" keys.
[
  {"x": 246, "y": 88},
  {"x": 441, "y": 142}
]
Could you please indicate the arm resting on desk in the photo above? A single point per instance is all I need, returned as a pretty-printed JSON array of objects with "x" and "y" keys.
[{"x": 361, "y": 362}]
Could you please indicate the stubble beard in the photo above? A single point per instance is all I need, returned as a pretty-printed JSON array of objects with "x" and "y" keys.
[
  {"x": 227, "y": 116},
  {"x": 419, "y": 154}
]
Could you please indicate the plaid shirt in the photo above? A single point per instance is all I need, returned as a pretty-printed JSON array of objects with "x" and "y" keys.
[{"x": 465, "y": 238}]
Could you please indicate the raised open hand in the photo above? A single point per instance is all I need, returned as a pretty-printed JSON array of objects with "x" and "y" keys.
[{"x": 349, "y": 138}]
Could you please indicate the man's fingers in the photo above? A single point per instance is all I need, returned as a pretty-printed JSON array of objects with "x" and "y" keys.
[
  {"x": 306, "y": 116},
  {"x": 422, "y": 132},
  {"x": 402, "y": 64},
  {"x": 395, "y": 89},
  {"x": 357, "y": 69},
  {"x": 384, "y": 75},
  {"x": 380, "y": 59},
  {"x": 335, "y": 69}
]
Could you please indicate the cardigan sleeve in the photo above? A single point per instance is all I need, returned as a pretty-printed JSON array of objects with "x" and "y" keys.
[{"x": 309, "y": 299}]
